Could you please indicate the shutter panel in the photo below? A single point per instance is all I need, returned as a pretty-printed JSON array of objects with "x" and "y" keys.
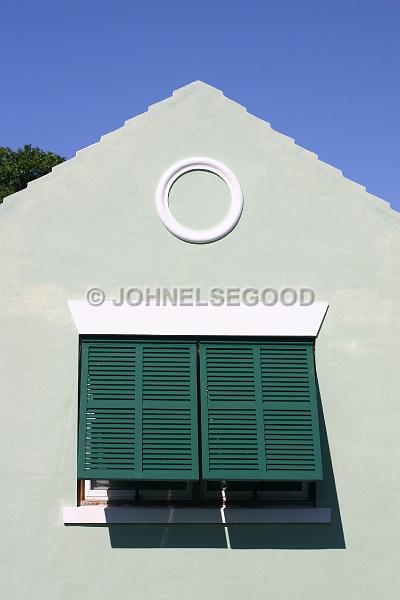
[
  {"x": 170, "y": 434},
  {"x": 138, "y": 410},
  {"x": 108, "y": 411},
  {"x": 259, "y": 411},
  {"x": 232, "y": 436},
  {"x": 290, "y": 412}
]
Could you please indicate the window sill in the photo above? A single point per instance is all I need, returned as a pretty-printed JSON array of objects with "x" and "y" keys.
[{"x": 103, "y": 515}]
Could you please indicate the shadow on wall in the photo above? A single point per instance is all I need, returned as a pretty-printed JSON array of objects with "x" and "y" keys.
[{"x": 250, "y": 536}]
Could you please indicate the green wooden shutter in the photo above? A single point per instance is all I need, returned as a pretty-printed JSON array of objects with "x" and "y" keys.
[
  {"x": 138, "y": 410},
  {"x": 169, "y": 411},
  {"x": 290, "y": 411},
  {"x": 232, "y": 437},
  {"x": 259, "y": 411},
  {"x": 108, "y": 421}
]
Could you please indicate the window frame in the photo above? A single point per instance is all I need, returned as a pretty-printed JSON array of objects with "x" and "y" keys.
[
  {"x": 304, "y": 497},
  {"x": 89, "y": 496}
]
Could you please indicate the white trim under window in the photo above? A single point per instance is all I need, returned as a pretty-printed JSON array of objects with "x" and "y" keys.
[{"x": 105, "y": 515}]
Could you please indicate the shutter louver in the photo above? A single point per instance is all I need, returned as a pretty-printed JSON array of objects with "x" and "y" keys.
[
  {"x": 170, "y": 437},
  {"x": 290, "y": 414},
  {"x": 232, "y": 441},
  {"x": 108, "y": 411},
  {"x": 138, "y": 410},
  {"x": 259, "y": 411}
]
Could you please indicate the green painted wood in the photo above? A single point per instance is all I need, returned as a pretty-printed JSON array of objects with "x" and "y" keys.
[
  {"x": 169, "y": 423},
  {"x": 138, "y": 410},
  {"x": 232, "y": 437},
  {"x": 259, "y": 411},
  {"x": 289, "y": 398},
  {"x": 108, "y": 410}
]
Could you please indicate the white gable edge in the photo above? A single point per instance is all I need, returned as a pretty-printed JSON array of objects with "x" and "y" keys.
[{"x": 259, "y": 320}]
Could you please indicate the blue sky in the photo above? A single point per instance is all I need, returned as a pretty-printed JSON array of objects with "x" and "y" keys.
[{"x": 324, "y": 72}]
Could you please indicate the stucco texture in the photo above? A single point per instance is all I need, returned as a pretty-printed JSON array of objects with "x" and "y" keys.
[{"x": 93, "y": 222}]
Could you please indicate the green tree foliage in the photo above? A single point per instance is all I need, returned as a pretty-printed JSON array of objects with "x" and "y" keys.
[{"x": 19, "y": 167}]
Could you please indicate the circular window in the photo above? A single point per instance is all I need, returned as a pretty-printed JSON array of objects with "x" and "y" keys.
[{"x": 205, "y": 235}]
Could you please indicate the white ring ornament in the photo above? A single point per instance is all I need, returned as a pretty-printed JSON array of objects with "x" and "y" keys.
[{"x": 205, "y": 235}]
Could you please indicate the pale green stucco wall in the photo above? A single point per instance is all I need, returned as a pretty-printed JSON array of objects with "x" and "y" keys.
[{"x": 92, "y": 222}]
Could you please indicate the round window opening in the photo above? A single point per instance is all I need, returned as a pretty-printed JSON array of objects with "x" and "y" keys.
[{"x": 191, "y": 165}]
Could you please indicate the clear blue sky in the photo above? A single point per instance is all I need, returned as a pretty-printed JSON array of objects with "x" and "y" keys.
[{"x": 324, "y": 72}]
